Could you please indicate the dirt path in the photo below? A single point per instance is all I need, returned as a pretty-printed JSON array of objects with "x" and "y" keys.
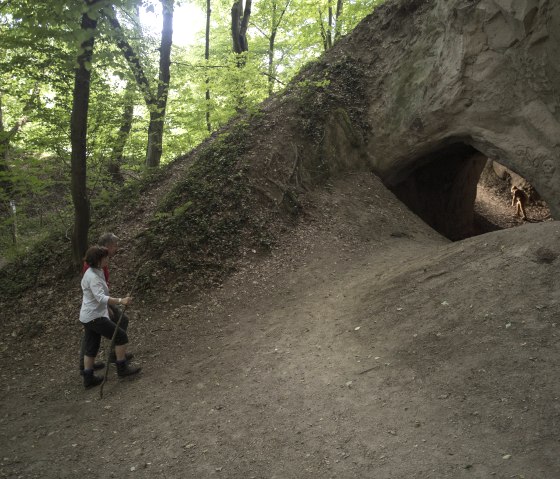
[
  {"x": 364, "y": 346},
  {"x": 494, "y": 211}
]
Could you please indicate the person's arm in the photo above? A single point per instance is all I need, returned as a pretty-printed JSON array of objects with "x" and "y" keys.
[
  {"x": 103, "y": 298},
  {"x": 98, "y": 291},
  {"x": 98, "y": 288},
  {"x": 116, "y": 301}
]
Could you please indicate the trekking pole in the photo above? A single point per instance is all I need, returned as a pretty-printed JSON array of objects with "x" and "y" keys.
[{"x": 113, "y": 339}]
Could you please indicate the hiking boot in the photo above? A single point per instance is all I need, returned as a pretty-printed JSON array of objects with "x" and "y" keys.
[
  {"x": 97, "y": 365},
  {"x": 113, "y": 357},
  {"x": 91, "y": 380},
  {"x": 124, "y": 369}
]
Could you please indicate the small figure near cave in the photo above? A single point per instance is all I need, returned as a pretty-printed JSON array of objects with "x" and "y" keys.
[{"x": 519, "y": 199}]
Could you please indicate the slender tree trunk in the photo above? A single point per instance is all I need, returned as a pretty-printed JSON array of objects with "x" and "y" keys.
[
  {"x": 337, "y": 28},
  {"x": 239, "y": 24},
  {"x": 329, "y": 26},
  {"x": 271, "y": 45},
  {"x": 117, "y": 158},
  {"x": 157, "y": 103},
  {"x": 3, "y": 138},
  {"x": 276, "y": 20},
  {"x": 5, "y": 183},
  {"x": 78, "y": 137},
  {"x": 132, "y": 59},
  {"x": 271, "y": 75},
  {"x": 13, "y": 209},
  {"x": 157, "y": 115},
  {"x": 155, "y": 135},
  {"x": 114, "y": 166},
  {"x": 323, "y": 31},
  {"x": 207, "y": 57},
  {"x": 6, "y": 138},
  {"x": 4, "y": 147},
  {"x": 333, "y": 29}
]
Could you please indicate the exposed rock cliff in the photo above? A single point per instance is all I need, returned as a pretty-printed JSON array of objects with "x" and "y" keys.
[{"x": 422, "y": 92}]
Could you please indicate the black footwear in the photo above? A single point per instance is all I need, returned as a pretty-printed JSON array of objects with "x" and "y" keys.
[
  {"x": 124, "y": 369},
  {"x": 91, "y": 380},
  {"x": 113, "y": 357},
  {"x": 97, "y": 365}
]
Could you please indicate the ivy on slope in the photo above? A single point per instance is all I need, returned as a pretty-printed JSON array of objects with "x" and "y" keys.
[
  {"x": 47, "y": 260},
  {"x": 202, "y": 221}
]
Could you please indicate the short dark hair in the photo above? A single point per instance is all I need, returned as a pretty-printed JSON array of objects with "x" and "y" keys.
[
  {"x": 107, "y": 239},
  {"x": 95, "y": 254}
]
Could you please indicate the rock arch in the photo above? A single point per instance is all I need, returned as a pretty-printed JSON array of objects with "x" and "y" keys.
[
  {"x": 442, "y": 188},
  {"x": 427, "y": 89},
  {"x": 483, "y": 74}
]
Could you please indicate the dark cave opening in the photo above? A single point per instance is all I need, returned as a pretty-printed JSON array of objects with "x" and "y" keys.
[{"x": 460, "y": 193}]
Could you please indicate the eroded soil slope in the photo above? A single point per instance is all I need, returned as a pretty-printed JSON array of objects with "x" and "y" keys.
[{"x": 364, "y": 346}]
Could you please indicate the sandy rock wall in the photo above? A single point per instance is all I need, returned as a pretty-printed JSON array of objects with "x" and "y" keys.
[{"x": 484, "y": 73}]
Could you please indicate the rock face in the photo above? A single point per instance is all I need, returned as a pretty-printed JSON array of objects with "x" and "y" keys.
[
  {"x": 481, "y": 74},
  {"x": 444, "y": 84}
]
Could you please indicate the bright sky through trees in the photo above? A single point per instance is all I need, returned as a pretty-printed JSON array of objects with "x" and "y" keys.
[{"x": 188, "y": 21}]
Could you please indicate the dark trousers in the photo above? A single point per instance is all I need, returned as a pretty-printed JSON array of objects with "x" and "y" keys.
[{"x": 86, "y": 346}]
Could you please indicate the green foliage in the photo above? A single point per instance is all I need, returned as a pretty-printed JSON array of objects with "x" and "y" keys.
[
  {"x": 41, "y": 194},
  {"x": 200, "y": 220},
  {"x": 24, "y": 271},
  {"x": 40, "y": 42},
  {"x": 321, "y": 90},
  {"x": 51, "y": 30},
  {"x": 297, "y": 41}
]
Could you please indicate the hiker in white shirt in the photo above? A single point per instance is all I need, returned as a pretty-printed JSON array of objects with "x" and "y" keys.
[{"x": 94, "y": 315}]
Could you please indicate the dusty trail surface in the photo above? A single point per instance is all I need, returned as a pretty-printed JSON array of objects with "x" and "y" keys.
[{"x": 365, "y": 346}]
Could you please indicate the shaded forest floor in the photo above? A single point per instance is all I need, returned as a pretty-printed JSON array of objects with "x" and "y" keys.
[{"x": 365, "y": 345}]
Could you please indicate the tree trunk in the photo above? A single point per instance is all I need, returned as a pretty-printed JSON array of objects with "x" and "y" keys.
[
  {"x": 157, "y": 116},
  {"x": 271, "y": 45},
  {"x": 156, "y": 103},
  {"x": 114, "y": 166},
  {"x": 6, "y": 138},
  {"x": 132, "y": 59},
  {"x": 275, "y": 24},
  {"x": 78, "y": 138},
  {"x": 5, "y": 183},
  {"x": 207, "y": 57},
  {"x": 324, "y": 31},
  {"x": 239, "y": 24},
  {"x": 236, "y": 10},
  {"x": 271, "y": 75},
  {"x": 329, "y": 26},
  {"x": 155, "y": 136},
  {"x": 337, "y": 27},
  {"x": 332, "y": 31}
]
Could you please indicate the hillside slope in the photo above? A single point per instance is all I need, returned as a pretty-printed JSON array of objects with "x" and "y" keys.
[
  {"x": 365, "y": 345},
  {"x": 293, "y": 318}
]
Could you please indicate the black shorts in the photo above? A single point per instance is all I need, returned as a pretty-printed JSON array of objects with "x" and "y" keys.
[{"x": 101, "y": 327}]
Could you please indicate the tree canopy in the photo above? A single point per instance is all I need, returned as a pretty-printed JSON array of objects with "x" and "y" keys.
[{"x": 148, "y": 100}]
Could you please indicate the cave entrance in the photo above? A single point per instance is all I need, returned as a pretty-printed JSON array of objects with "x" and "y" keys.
[{"x": 460, "y": 193}]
